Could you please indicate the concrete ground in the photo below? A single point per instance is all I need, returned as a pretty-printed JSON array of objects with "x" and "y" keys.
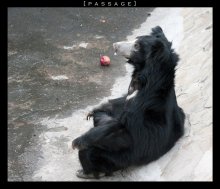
[
  {"x": 54, "y": 79},
  {"x": 53, "y": 70}
]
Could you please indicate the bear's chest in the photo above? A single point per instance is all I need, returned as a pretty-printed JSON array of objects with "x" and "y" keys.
[
  {"x": 132, "y": 95},
  {"x": 134, "y": 87}
]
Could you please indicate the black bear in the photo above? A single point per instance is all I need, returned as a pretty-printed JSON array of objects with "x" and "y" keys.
[{"x": 142, "y": 125}]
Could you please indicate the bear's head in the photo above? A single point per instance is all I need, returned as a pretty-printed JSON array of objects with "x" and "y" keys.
[{"x": 147, "y": 50}]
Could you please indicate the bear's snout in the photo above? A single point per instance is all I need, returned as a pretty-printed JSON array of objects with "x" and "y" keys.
[{"x": 123, "y": 48}]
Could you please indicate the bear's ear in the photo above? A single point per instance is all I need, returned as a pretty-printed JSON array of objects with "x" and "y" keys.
[{"x": 157, "y": 31}]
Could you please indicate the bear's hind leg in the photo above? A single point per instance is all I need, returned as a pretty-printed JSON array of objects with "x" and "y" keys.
[
  {"x": 94, "y": 166},
  {"x": 89, "y": 169}
]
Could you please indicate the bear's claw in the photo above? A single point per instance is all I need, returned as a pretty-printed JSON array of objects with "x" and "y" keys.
[
  {"x": 80, "y": 173},
  {"x": 90, "y": 114}
]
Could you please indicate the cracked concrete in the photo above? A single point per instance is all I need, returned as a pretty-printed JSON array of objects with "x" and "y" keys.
[{"x": 49, "y": 156}]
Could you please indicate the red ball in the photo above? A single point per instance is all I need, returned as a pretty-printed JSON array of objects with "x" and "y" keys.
[{"x": 104, "y": 60}]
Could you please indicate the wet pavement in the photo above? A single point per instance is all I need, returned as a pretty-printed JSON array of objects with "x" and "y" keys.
[{"x": 53, "y": 70}]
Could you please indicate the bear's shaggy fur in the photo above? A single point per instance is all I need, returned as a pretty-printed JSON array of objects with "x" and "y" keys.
[{"x": 144, "y": 124}]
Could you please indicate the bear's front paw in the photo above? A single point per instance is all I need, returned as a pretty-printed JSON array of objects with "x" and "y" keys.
[{"x": 79, "y": 144}]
